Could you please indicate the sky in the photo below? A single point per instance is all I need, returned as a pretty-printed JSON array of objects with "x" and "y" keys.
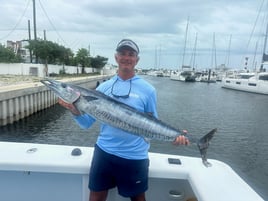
[{"x": 218, "y": 32}]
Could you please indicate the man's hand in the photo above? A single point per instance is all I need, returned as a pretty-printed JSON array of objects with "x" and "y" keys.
[
  {"x": 70, "y": 107},
  {"x": 181, "y": 139}
]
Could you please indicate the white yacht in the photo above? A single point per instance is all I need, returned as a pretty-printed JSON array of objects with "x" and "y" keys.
[
  {"x": 256, "y": 82},
  {"x": 248, "y": 82}
]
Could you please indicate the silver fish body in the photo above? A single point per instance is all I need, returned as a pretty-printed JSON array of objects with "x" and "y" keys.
[
  {"x": 112, "y": 112},
  {"x": 119, "y": 115}
]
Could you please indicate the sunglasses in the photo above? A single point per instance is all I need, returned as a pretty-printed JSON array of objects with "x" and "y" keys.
[{"x": 120, "y": 95}]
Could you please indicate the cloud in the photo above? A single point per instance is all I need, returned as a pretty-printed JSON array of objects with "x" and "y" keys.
[{"x": 158, "y": 26}]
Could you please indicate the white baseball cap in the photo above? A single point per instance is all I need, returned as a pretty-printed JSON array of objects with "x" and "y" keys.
[{"x": 127, "y": 43}]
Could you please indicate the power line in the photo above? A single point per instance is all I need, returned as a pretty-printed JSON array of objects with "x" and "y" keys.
[
  {"x": 18, "y": 22},
  {"x": 52, "y": 23}
]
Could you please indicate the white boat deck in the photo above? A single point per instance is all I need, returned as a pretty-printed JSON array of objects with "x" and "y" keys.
[{"x": 49, "y": 172}]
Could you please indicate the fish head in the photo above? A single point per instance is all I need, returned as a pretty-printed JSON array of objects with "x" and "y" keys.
[{"x": 62, "y": 90}]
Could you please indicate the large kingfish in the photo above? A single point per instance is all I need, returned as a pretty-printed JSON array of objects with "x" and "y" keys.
[{"x": 110, "y": 111}]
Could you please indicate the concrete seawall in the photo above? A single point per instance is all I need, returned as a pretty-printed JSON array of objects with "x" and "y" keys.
[{"x": 20, "y": 101}]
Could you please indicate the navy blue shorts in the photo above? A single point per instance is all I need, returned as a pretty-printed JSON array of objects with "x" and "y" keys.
[{"x": 108, "y": 171}]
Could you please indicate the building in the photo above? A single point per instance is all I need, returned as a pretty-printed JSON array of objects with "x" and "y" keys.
[{"x": 19, "y": 48}]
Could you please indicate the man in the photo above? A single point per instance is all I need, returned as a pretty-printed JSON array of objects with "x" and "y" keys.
[{"x": 120, "y": 158}]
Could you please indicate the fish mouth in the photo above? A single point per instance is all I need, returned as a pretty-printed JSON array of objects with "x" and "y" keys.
[
  {"x": 52, "y": 84},
  {"x": 62, "y": 90},
  {"x": 55, "y": 86}
]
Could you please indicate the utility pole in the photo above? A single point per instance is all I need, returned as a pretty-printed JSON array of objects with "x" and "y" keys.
[
  {"x": 34, "y": 20},
  {"x": 29, "y": 31},
  {"x": 34, "y": 23},
  {"x": 45, "y": 35}
]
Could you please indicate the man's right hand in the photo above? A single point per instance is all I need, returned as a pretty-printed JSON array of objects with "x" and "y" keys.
[{"x": 70, "y": 107}]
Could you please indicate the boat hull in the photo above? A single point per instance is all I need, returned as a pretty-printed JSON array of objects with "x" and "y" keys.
[
  {"x": 189, "y": 77},
  {"x": 247, "y": 85}
]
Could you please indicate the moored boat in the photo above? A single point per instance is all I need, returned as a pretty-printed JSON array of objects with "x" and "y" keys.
[
  {"x": 258, "y": 83},
  {"x": 206, "y": 76},
  {"x": 187, "y": 74}
]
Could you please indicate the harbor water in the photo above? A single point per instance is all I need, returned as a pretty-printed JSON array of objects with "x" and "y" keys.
[{"x": 241, "y": 119}]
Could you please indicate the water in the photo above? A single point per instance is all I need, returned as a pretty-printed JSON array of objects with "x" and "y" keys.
[{"x": 241, "y": 119}]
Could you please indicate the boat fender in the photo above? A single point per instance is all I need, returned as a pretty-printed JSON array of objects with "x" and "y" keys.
[{"x": 76, "y": 152}]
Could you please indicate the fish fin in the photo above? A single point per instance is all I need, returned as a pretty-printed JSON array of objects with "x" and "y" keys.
[
  {"x": 90, "y": 98},
  {"x": 203, "y": 145}
]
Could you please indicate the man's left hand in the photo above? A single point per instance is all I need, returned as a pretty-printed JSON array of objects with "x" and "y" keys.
[{"x": 181, "y": 139}]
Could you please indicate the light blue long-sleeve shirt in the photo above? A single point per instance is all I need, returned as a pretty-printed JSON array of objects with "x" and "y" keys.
[{"x": 142, "y": 96}]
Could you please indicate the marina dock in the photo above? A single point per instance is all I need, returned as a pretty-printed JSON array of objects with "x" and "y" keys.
[{"x": 21, "y": 100}]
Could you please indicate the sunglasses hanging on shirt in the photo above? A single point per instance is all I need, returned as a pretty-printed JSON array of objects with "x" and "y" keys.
[{"x": 118, "y": 89}]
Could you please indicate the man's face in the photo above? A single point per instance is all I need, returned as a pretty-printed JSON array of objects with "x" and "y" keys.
[{"x": 126, "y": 60}]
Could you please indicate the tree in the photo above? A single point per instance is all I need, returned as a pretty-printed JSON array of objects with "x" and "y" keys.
[
  {"x": 98, "y": 61},
  {"x": 50, "y": 52},
  {"x": 68, "y": 56},
  {"x": 83, "y": 58},
  {"x": 8, "y": 56}
]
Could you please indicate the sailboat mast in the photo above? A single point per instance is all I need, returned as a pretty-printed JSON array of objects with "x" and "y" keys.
[
  {"x": 265, "y": 40},
  {"x": 214, "y": 53},
  {"x": 194, "y": 53},
  {"x": 184, "y": 49},
  {"x": 264, "y": 56},
  {"x": 227, "y": 58}
]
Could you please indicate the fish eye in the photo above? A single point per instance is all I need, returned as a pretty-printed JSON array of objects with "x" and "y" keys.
[{"x": 63, "y": 85}]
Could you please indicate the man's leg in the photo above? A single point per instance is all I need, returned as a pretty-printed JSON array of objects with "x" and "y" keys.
[
  {"x": 140, "y": 197},
  {"x": 98, "y": 196},
  {"x": 100, "y": 176}
]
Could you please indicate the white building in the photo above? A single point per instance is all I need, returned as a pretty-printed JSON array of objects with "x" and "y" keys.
[{"x": 19, "y": 48}]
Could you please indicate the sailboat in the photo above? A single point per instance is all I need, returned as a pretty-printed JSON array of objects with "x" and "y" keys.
[
  {"x": 209, "y": 76},
  {"x": 248, "y": 82},
  {"x": 186, "y": 74}
]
